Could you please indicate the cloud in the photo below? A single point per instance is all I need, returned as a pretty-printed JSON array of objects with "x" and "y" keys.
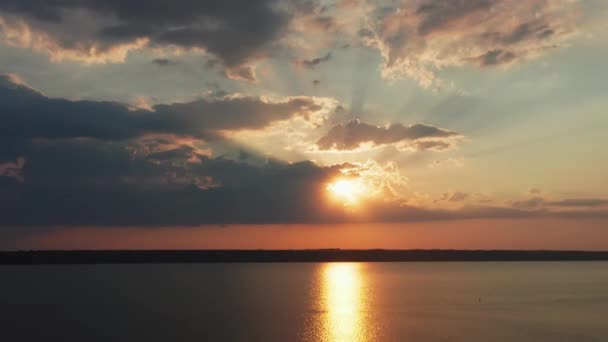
[
  {"x": 355, "y": 133},
  {"x": 456, "y": 162},
  {"x": 453, "y": 197},
  {"x": 94, "y": 163},
  {"x": 458, "y": 197},
  {"x": 312, "y": 63},
  {"x": 312, "y": 16},
  {"x": 28, "y": 114},
  {"x": 235, "y": 31},
  {"x": 580, "y": 202},
  {"x": 162, "y": 61},
  {"x": 572, "y": 208},
  {"x": 157, "y": 181},
  {"x": 241, "y": 73},
  {"x": 96, "y": 183},
  {"x": 570, "y": 204},
  {"x": 418, "y": 38},
  {"x": 13, "y": 169},
  {"x": 496, "y": 57},
  {"x": 534, "y": 203}
]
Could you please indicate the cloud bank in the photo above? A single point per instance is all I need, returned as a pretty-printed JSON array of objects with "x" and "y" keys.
[
  {"x": 27, "y": 114},
  {"x": 94, "y": 163}
]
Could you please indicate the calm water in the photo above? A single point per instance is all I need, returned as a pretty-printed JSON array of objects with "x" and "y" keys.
[{"x": 306, "y": 302}]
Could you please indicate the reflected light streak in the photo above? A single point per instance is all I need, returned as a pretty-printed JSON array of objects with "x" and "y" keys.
[{"x": 343, "y": 300}]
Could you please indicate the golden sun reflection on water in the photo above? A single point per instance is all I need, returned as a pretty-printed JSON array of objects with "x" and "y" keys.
[{"x": 343, "y": 298}]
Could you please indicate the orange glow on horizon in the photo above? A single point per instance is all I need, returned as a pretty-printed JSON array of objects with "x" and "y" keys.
[{"x": 464, "y": 234}]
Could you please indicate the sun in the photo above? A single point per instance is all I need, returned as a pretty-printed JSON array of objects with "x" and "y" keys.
[{"x": 347, "y": 190}]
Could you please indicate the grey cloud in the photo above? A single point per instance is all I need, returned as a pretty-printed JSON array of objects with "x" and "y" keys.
[
  {"x": 538, "y": 203},
  {"x": 535, "y": 30},
  {"x": 439, "y": 14},
  {"x": 432, "y": 145},
  {"x": 27, "y": 114},
  {"x": 118, "y": 190},
  {"x": 95, "y": 163},
  {"x": 496, "y": 57},
  {"x": 241, "y": 72},
  {"x": 458, "y": 197},
  {"x": 580, "y": 202},
  {"x": 365, "y": 33},
  {"x": 13, "y": 169},
  {"x": 210, "y": 63},
  {"x": 233, "y": 30},
  {"x": 534, "y": 203},
  {"x": 162, "y": 61},
  {"x": 105, "y": 183},
  {"x": 312, "y": 63},
  {"x": 98, "y": 183},
  {"x": 326, "y": 23},
  {"x": 355, "y": 133}
]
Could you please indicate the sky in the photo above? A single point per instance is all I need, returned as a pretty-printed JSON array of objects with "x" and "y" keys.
[{"x": 303, "y": 124}]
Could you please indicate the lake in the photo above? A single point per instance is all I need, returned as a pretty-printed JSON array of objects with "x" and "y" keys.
[{"x": 432, "y": 301}]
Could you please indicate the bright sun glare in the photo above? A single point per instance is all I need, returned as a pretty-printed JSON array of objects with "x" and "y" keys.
[{"x": 347, "y": 190}]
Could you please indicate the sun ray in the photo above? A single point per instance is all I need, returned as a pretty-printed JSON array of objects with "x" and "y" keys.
[{"x": 347, "y": 190}]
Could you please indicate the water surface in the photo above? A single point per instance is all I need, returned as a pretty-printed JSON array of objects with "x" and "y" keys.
[{"x": 483, "y": 301}]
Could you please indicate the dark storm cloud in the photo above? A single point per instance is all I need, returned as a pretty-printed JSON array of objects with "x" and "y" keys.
[
  {"x": 233, "y": 30},
  {"x": 312, "y": 63},
  {"x": 27, "y": 114},
  {"x": 353, "y": 134}
]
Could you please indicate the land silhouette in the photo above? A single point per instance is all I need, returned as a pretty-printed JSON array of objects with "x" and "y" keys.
[{"x": 309, "y": 255}]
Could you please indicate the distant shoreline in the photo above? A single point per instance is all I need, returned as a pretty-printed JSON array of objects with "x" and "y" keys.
[{"x": 317, "y": 255}]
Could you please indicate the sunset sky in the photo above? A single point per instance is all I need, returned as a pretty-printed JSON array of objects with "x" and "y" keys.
[{"x": 304, "y": 124}]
